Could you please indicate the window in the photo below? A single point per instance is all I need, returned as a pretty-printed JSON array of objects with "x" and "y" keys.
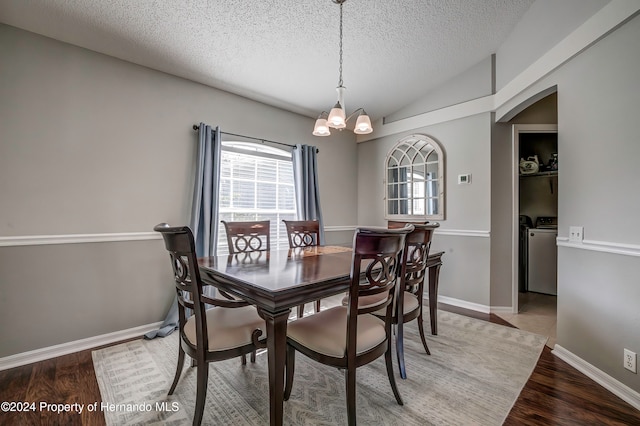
[
  {"x": 256, "y": 183},
  {"x": 414, "y": 180}
]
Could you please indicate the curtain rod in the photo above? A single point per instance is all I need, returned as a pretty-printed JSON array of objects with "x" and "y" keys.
[{"x": 196, "y": 127}]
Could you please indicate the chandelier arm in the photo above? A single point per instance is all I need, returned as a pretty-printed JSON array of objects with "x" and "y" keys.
[{"x": 354, "y": 113}]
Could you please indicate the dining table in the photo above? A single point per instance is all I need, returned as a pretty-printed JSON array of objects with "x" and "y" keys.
[{"x": 276, "y": 281}]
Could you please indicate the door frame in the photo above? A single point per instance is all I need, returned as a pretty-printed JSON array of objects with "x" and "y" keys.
[{"x": 516, "y": 130}]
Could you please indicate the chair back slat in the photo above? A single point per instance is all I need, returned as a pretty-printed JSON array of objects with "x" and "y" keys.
[
  {"x": 417, "y": 246},
  {"x": 302, "y": 233},
  {"x": 244, "y": 237},
  {"x": 376, "y": 258}
]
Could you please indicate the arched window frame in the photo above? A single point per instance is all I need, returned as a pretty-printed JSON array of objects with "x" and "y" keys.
[{"x": 400, "y": 200}]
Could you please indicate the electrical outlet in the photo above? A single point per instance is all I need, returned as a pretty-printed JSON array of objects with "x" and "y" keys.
[
  {"x": 575, "y": 233},
  {"x": 630, "y": 360}
]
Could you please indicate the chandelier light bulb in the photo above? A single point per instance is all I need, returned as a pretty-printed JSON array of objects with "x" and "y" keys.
[
  {"x": 363, "y": 124},
  {"x": 337, "y": 117},
  {"x": 321, "y": 128}
]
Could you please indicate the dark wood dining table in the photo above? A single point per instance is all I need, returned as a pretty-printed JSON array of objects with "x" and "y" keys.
[{"x": 275, "y": 281}]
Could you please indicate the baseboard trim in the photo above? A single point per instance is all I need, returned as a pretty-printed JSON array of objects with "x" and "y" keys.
[
  {"x": 473, "y": 306},
  {"x": 464, "y": 304},
  {"x": 619, "y": 389},
  {"x": 42, "y": 354},
  {"x": 501, "y": 310}
]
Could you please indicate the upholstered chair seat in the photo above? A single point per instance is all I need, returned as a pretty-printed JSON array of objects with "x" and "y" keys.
[
  {"x": 227, "y": 328},
  {"x": 326, "y": 332}
]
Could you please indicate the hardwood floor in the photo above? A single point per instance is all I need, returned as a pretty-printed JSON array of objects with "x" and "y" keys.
[
  {"x": 67, "y": 379},
  {"x": 556, "y": 393}
]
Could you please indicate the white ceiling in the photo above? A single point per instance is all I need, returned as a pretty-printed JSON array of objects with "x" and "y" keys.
[{"x": 285, "y": 53}]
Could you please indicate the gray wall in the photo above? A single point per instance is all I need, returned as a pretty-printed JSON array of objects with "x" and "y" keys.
[
  {"x": 598, "y": 292},
  {"x": 90, "y": 144},
  {"x": 466, "y": 144},
  {"x": 598, "y": 312},
  {"x": 544, "y": 111},
  {"x": 597, "y": 107},
  {"x": 501, "y": 216},
  {"x": 473, "y": 83},
  {"x": 545, "y": 24}
]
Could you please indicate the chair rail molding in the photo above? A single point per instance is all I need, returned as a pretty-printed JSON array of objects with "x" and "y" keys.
[
  {"x": 601, "y": 246},
  {"x": 39, "y": 240},
  {"x": 463, "y": 233},
  {"x": 339, "y": 228}
]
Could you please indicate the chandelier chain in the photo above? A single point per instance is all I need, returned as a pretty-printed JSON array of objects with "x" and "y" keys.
[
  {"x": 340, "y": 79},
  {"x": 337, "y": 118}
]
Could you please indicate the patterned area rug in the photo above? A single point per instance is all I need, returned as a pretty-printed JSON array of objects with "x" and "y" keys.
[{"x": 473, "y": 377}]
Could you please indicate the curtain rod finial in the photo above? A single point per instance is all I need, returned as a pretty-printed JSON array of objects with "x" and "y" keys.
[{"x": 196, "y": 127}]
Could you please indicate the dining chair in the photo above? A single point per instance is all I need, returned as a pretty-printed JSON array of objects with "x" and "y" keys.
[
  {"x": 411, "y": 286},
  {"x": 230, "y": 329},
  {"x": 348, "y": 337},
  {"x": 409, "y": 306},
  {"x": 303, "y": 233},
  {"x": 244, "y": 237}
]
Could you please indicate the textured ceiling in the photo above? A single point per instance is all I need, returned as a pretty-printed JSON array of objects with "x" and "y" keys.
[{"x": 285, "y": 53}]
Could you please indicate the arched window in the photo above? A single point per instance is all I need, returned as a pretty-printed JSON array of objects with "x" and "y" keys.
[{"x": 414, "y": 180}]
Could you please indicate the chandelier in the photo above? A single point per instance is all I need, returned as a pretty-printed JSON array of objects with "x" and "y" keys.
[{"x": 337, "y": 118}]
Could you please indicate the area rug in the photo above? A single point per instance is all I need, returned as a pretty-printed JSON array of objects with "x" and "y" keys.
[{"x": 473, "y": 376}]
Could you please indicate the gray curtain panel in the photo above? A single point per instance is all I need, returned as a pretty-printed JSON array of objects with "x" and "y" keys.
[
  {"x": 305, "y": 179},
  {"x": 204, "y": 211}
]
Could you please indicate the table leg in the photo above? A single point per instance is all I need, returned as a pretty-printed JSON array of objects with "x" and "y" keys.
[
  {"x": 276, "y": 354},
  {"x": 434, "y": 274}
]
